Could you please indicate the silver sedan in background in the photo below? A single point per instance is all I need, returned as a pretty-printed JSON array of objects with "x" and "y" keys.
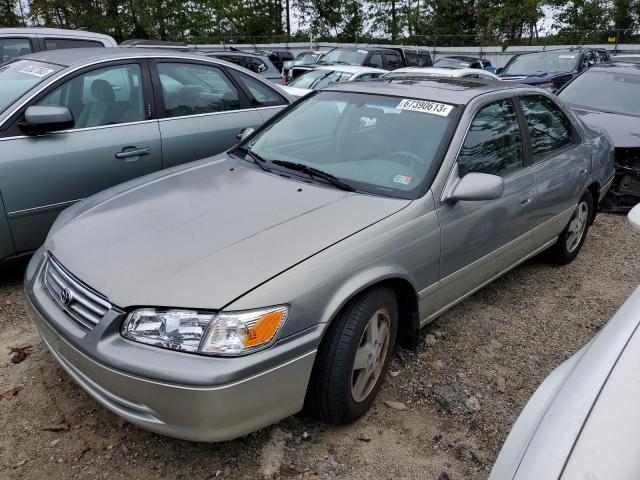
[
  {"x": 213, "y": 299},
  {"x": 583, "y": 422}
]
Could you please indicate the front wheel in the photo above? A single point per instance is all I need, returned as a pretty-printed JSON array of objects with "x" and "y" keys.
[
  {"x": 572, "y": 237},
  {"x": 353, "y": 357}
]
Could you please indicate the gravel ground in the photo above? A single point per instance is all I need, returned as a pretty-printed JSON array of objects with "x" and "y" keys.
[{"x": 457, "y": 395}]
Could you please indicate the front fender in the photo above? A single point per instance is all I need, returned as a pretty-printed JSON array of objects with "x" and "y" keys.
[{"x": 404, "y": 247}]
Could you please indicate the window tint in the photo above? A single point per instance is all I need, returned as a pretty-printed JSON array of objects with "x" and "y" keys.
[
  {"x": 417, "y": 59},
  {"x": 106, "y": 96},
  {"x": 263, "y": 96},
  {"x": 549, "y": 128},
  {"x": 602, "y": 56},
  {"x": 190, "y": 89},
  {"x": 393, "y": 60},
  {"x": 376, "y": 61},
  {"x": 14, "y": 47},
  {"x": 60, "y": 43},
  {"x": 493, "y": 144}
]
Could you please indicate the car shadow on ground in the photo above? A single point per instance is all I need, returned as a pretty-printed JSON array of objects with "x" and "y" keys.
[{"x": 12, "y": 271}]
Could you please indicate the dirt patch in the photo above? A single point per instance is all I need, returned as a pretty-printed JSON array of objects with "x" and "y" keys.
[{"x": 463, "y": 389}]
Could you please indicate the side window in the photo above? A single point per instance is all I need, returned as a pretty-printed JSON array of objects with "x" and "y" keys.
[
  {"x": 376, "y": 60},
  {"x": 603, "y": 56},
  {"x": 368, "y": 76},
  {"x": 493, "y": 144},
  {"x": 191, "y": 89},
  {"x": 393, "y": 60},
  {"x": 106, "y": 96},
  {"x": 549, "y": 128},
  {"x": 14, "y": 47},
  {"x": 60, "y": 43},
  {"x": 263, "y": 95},
  {"x": 589, "y": 59}
]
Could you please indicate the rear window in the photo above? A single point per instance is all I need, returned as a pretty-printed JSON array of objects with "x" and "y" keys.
[
  {"x": 60, "y": 43},
  {"x": 11, "y": 48},
  {"x": 418, "y": 59}
]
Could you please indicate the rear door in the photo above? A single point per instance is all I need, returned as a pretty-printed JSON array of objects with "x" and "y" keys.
[
  {"x": 483, "y": 238},
  {"x": 114, "y": 139},
  {"x": 202, "y": 110},
  {"x": 560, "y": 164}
]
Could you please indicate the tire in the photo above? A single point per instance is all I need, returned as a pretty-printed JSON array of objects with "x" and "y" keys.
[
  {"x": 337, "y": 394},
  {"x": 572, "y": 237}
]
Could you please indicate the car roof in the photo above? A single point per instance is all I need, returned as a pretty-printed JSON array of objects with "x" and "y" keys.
[
  {"x": 446, "y": 72},
  {"x": 348, "y": 68},
  {"x": 230, "y": 52},
  {"x": 458, "y": 91},
  {"x": 628, "y": 68},
  {"x": 76, "y": 56},
  {"x": 463, "y": 58},
  {"x": 52, "y": 32}
]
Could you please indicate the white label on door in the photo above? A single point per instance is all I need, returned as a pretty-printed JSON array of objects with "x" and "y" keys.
[{"x": 425, "y": 106}]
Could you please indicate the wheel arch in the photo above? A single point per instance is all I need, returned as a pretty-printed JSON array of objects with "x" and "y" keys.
[
  {"x": 594, "y": 189},
  {"x": 404, "y": 290}
]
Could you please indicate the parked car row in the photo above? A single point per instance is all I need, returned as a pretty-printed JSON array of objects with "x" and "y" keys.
[
  {"x": 210, "y": 259},
  {"x": 330, "y": 233}
]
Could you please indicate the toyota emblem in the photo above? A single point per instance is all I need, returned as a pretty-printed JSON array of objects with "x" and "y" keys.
[{"x": 66, "y": 296}]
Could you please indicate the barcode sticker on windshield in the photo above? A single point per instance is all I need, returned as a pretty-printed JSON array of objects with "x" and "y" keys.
[
  {"x": 425, "y": 106},
  {"x": 36, "y": 71}
]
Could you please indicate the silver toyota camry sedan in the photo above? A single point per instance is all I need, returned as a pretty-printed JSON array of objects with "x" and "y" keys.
[{"x": 212, "y": 299}]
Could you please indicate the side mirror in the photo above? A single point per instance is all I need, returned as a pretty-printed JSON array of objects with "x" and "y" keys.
[
  {"x": 40, "y": 119},
  {"x": 476, "y": 187},
  {"x": 634, "y": 218},
  {"x": 499, "y": 70},
  {"x": 245, "y": 133}
]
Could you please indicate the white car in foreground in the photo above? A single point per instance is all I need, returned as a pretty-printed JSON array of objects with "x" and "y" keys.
[
  {"x": 441, "y": 72},
  {"x": 583, "y": 422},
  {"x": 329, "y": 74}
]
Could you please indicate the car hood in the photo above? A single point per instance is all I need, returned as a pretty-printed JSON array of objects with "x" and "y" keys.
[
  {"x": 623, "y": 129},
  {"x": 296, "y": 92},
  {"x": 538, "y": 78},
  {"x": 609, "y": 437},
  {"x": 202, "y": 236}
]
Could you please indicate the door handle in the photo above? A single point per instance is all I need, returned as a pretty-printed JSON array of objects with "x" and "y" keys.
[
  {"x": 137, "y": 152},
  {"x": 526, "y": 199}
]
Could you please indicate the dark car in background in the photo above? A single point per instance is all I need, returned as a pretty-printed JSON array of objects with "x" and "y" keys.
[
  {"x": 553, "y": 68},
  {"x": 607, "y": 97},
  {"x": 386, "y": 58},
  {"x": 254, "y": 62},
  {"x": 462, "y": 61},
  {"x": 303, "y": 58},
  {"x": 278, "y": 57},
  {"x": 15, "y": 42}
]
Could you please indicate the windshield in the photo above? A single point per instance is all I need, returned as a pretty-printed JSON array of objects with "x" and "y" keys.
[
  {"x": 451, "y": 63},
  {"x": 610, "y": 92},
  {"x": 306, "y": 58},
  {"x": 18, "y": 77},
  {"x": 536, "y": 63},
  {"x": 345, "y": 56},
  {"x": 316, "y": 79},
  {"x": 374, "y": 143}
]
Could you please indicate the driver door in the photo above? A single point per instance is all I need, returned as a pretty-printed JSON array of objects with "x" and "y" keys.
[
  {"x": 480, "y": 239},
  {"x": 112, "y": 141}
]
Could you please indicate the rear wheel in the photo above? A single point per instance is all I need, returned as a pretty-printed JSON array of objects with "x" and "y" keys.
[
  {"x": 353, "y": 357},
  {"x": 572, "y": 237}
]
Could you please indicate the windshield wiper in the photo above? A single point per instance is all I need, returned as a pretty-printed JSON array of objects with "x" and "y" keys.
[
  {"x": 257, "y": 159},
  {"x": 314, "y": 172}
]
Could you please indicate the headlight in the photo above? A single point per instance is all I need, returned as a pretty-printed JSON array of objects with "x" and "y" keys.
[{"x": 224, "y": 333}]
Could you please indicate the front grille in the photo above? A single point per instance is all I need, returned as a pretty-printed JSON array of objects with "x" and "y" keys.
[{"x": 78, "y": 301}]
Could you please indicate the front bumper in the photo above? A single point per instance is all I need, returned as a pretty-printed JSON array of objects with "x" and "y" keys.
[{"x": 212, "y": 412}]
